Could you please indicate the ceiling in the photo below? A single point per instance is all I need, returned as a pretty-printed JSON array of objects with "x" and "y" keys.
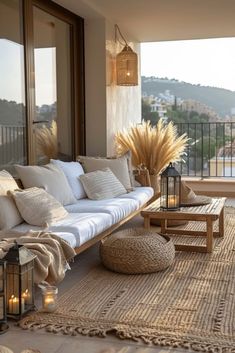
[{"x": 154, "y": 20}]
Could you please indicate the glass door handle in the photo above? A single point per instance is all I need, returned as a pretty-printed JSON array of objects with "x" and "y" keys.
[{"x": 40, "y": 121}]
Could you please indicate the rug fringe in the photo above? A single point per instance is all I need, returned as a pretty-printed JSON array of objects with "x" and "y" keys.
[{"x": 156, "y": 339}]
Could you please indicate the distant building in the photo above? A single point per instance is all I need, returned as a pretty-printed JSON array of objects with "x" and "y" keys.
[
  {"x": 224, "y": 163},
  {"x": 200, "y": 108}
]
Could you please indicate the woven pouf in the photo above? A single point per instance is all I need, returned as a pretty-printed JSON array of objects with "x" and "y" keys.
[{"x": 137, "y": 250}]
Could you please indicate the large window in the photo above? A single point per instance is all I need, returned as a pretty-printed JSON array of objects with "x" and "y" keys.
[{"x": 41, "y": 83}]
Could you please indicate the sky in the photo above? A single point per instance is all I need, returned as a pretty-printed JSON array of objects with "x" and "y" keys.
[
  {"x": 209, "y": 62},
  {"x": 12, "y": 73}
]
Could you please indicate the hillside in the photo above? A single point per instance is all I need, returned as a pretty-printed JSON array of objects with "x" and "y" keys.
[{"x": 221, "y": 100}]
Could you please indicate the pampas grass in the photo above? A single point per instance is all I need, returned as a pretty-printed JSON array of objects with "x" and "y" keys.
[
  {"x": 152, "y": 147},
  {"x": 47, "y": 141}
]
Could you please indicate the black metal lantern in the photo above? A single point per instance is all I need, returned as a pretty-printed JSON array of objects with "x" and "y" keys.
[
  {"x": 170, "y": 189},
  {"x": 3, "y": 310},
  {"x": 20, "y": 285}
]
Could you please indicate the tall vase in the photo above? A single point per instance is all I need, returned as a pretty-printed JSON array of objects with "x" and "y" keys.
[{"x": 155, "y": 183}]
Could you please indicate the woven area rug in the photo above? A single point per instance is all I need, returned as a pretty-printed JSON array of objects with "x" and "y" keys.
[{"x": 189, "y": 305}]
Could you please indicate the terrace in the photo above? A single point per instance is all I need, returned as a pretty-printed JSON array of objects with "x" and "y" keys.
[{"x": 91, "y": 108}]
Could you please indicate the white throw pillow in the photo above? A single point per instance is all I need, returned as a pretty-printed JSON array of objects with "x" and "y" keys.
[
  {"x": 72, "y": 171},
  {"x": 102, "y": 184},
  {"x": 48, "y": 177},
  {"x": 119, "y": 166},
  {"x": 9, "y": 215},
  {"x": 37, "y": 207},
  {"x": 7, "y": 182}
]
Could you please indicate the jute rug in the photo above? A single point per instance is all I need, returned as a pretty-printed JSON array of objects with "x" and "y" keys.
[{"x": 190, "y": 305}]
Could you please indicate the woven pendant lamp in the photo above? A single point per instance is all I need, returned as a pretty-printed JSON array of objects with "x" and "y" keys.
[{"x": 126, "y": 64}]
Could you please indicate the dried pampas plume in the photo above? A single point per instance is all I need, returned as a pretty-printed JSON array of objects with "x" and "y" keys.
[
  {"x": 47, "y": 141},
  {"x": 152, "y": 147}
]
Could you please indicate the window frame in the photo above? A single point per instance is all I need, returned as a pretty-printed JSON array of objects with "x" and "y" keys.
[{"x": 76, "y": 66}]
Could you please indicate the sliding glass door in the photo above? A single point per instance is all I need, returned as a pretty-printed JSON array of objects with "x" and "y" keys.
[
  {"x": 52, "y": 67},
  {"x": 41, "y": 83}
]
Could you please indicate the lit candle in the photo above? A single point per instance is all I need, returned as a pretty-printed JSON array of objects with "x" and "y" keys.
[
  {"x": 49, "y": 303},
  {"x": 26, "y": 296},
  {"x": 14, "y": 305},
  {"x": 172, "y": 201}
]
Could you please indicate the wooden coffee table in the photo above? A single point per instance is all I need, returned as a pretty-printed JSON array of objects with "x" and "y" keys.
[{"x": 206, "y": 213}]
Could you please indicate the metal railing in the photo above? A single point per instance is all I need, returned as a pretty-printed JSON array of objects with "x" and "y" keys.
[
  {"x": 211, "y": 149},
  {"x": 12, "y": 145}
]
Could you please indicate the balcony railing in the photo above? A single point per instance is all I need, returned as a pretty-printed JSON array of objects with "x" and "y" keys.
[
  {"x": 211, "y": 149},
  {"x": 12, "y": 145}
]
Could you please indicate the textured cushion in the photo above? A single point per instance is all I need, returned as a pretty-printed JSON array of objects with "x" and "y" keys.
[
  {"x": 37, "y": 207},
  {"x": 102, "y": 184},
  {"x": 119, "y": 166},
  {"x": 137, "y": 250},
  {"x": 7, "y": 182},
  {"x": 72, "y": 171},
  {"x": 9, "y": 214},
  {"x": 48, "y": 177}
]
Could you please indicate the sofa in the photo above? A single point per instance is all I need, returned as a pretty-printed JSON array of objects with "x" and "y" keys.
[{"x": 86, "y": 220}]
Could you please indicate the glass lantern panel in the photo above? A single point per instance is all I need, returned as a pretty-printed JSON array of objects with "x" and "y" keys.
[
  {"x": 27, "y": 289},
  {"x": 2, "y": 311},
  {"x": 1, "y": 277},
  {"x": 13, "y": 291}
]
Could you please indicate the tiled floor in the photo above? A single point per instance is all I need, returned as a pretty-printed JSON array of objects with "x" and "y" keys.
[{"x": 17, "y": 339}]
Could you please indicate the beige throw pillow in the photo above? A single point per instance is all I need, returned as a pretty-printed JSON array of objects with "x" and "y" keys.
[
  {"x": 48, "y": 177},
  {"x": 37, "y": 207},
  {"x": 121, "y": 167},
  {"x": 7, "y": 182},
  {"x": 102, "y": 184},
  {"x": 9, "y": 214}
]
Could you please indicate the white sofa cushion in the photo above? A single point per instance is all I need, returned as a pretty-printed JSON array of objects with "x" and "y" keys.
[
  {"x": 84, "y": 226},
  {"x": 69, "y": 237},
  {"x": 72, "y": 171},
  {"x": 102, "y": 184},
  {"x": 9, "y": 214},
  {"x": 37, "y": 207},
  {"x": 77, "y": 228},
  {"x": 141, "y": 194},
  {"x": 119, "y": 166},
  {"x": 118, "y": 208},
  {"x": 48, "y": 177}
]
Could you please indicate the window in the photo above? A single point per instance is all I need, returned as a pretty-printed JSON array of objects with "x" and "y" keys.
[{"x": 41, "y": 90}]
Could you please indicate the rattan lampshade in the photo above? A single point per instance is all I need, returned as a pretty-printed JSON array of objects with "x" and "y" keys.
[{"x": 127, "y": 67}]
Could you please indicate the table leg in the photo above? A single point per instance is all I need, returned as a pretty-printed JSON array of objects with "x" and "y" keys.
[
  {"x": 209, "y": 236},
  {"x": 163, "y": 226},
  {"x": 146, "y": 222},
  {"x": 221, "y": 223}
]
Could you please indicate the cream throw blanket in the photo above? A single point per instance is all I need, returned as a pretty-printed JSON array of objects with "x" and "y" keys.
[{"x": 52, "y": 253}]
